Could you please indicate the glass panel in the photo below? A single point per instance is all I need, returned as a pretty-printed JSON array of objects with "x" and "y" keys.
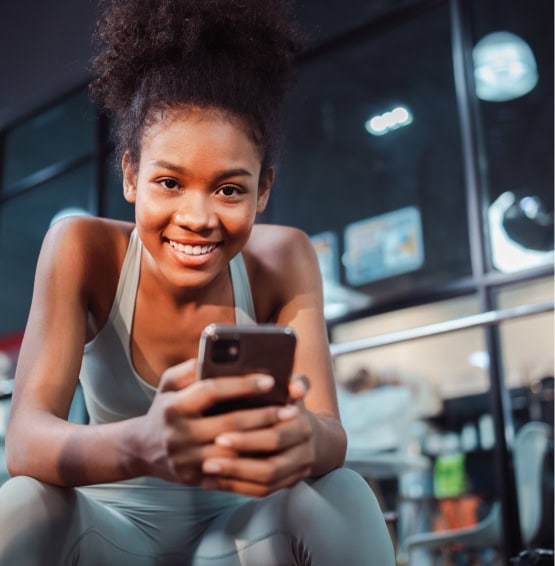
[
  {"x": 419, "y": 412},
  {"x": 513, "y": 56},
  {"x": 528, "y": 343},
  {"x": 116, "y": 205},
  {"x": 23, "y": 223},
  {"x": 453, "y": 363},
  {"x": 62, "y": 132},
  {"x": 408, "y": 182}
]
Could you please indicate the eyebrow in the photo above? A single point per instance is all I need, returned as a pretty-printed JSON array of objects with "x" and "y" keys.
[{"x": 238, "y": 172}]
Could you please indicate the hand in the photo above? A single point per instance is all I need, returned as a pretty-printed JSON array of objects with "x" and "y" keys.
[
  {"x": 270, "y": 458},
  {"x": 174, "y": 438}
]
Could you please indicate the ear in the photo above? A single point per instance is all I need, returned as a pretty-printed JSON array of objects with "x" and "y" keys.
[
  {"x": 264, "y": 187},
  {"x": 129, "y": 178}
]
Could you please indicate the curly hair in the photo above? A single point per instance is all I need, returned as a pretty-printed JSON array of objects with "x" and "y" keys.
[{"x": 232, "y": 55}]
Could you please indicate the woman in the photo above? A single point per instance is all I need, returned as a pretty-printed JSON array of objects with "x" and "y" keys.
[{"x": 196, "y": 88}]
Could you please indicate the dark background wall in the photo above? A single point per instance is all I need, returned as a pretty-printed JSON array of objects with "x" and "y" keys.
[{"x": 45, "y": 45}]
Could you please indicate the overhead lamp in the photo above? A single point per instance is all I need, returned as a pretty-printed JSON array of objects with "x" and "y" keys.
[
  {"x": 504, "y": 67},
  {"x": 530, "y": 244},
  {"x": 388, "y": 121}
]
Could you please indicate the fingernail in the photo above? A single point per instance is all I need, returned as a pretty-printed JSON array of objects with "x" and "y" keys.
[
  {"x": 287, "y": 412},
  {"x": 224, "y": 440},
  {"x": 265, "y": 382},
  {"x": 211, "y": 467}
]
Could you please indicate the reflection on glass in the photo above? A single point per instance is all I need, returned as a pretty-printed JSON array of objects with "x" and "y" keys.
[
  {"x": 23, "y": 223},
  {"x": 504, "y": 67},
  {"x": 518, "y": 135},
  {"x": 447, "y": 362},
  {"x": 337, "y": 174},
  {"x": 388, "y": 121},
  {"x": 527, "y": 344},
  {"x": 521, "y": 232},
  {"x": 62, "y": 132}
]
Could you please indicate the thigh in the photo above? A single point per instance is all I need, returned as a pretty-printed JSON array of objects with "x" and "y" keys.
[
  {"x": 46, "y": 525},
  {"x": 333, "y": 520}
]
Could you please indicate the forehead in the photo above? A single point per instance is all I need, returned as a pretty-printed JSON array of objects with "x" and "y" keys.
[{"x": 192, "y": 129}]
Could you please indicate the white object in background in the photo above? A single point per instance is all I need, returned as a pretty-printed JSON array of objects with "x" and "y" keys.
[
  {"x": 507, "y": 255},
  {"x": 487, "y": 433},
  {"x": 504, "y": 67},
  {"x": 469, "y": 437}
]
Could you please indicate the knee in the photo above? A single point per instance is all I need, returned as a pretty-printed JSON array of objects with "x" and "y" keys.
[
  {"x": 351, "y": 497},
  {"x": 23, "y": 495},
  {"x": 34, "y": 516},
  {"x": 344, "y": 483}
]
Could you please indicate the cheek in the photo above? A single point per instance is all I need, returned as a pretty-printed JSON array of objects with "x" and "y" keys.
[
  {"x": 150, "y": 210},
  {"x": 238, "y": 220}
]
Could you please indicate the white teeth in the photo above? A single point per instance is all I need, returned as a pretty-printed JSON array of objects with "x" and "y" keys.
[{"x": 192, "y": 250}]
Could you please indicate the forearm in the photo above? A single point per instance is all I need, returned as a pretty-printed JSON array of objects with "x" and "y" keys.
[
  {"x": 54, "y": 451},
  {"x": 330, "y": 444}
]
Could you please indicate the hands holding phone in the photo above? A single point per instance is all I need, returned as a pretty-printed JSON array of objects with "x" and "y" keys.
[
  {"x": 237, "y": 428},
  {"x": 267, "y": 458}
]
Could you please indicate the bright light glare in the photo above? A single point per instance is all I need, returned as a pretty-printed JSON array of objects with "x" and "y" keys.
[
  {"x": 509, "y": 256},
  {"x": 504, "y": 67},
  {"x": 389, "y": 121}
]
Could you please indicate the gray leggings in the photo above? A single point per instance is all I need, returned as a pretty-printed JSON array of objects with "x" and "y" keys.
[{"x": 334, "y": 520}]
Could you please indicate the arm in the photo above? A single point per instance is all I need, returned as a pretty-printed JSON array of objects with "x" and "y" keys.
[
  {"x": 40, "y": 442},
  {"x": 302, "y": 308},
  {"x": 78, "y": 269}
]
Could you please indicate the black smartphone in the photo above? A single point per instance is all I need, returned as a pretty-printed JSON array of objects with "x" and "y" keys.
[{"x": 229, "y": 350}]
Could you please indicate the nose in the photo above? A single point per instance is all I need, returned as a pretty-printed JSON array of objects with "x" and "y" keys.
[{"x": 195, "y": 211}]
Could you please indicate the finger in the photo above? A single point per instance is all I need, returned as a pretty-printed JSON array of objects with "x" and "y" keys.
[
  {"x": 283, "y": 435},
  {"x": 266, "y": 471},
  {"x": 179, "y": 377},
  {"x": 186, "y": 464},
  {"x": 213, "y": 427},
  {"x": 298, "y": 386},
  {"x": 205, "y": 393},
  {"x": 253, "y": 488}
]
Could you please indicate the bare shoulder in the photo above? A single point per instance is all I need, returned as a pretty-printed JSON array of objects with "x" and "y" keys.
[
  {"x": 279, "y": 246},
  {"x": 85, "y": 240},
  {"x": 84, "y": 252},
  {"x": 282, "y": 264}
]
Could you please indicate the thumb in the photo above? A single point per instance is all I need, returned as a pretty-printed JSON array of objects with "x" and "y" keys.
[
  {"x": 180, "y": 376},
  {"x": 298, "y": 387}
]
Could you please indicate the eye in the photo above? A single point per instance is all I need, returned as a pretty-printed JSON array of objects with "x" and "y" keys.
[
  {"x": 170, "y": 184},
  {"x": 230, "y": 191}
]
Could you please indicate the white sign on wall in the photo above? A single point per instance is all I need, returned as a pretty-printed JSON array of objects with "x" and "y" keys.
[{"x": 383, "y": 246}]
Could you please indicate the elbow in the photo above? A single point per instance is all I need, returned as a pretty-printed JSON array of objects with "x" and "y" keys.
[
  {"x": 13, "y": 461},
  {"x": 16, "y": 453},
  {"x": 342, "y": 446}
]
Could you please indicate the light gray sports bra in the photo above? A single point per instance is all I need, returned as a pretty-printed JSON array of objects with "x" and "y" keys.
[{"x": 113, "y": 390}]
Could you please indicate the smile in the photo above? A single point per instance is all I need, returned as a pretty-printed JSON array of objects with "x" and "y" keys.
[{"x": 188, "y": 249}]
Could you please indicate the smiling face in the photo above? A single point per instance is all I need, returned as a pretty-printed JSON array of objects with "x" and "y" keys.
[{"x": 196, "y": 189}]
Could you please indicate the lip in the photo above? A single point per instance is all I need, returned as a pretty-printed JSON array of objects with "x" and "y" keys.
[{"x": 192, "y": 253}]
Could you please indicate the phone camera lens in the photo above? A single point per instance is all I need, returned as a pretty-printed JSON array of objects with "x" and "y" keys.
[{"x": 226, "y": 351}]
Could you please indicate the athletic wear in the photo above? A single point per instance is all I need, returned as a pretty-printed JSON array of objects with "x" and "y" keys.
[{"x": 146, "y": 521}]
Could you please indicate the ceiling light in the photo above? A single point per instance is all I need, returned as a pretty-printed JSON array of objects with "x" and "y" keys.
[
  {"x": 504, "y": 67},
  {"x": 389, "y": 121}
]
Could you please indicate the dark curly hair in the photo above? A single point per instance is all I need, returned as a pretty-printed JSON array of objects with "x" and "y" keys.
[{"x": 231, "y": 55}]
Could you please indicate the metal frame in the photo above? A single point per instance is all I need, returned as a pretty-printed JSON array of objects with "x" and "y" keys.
[{"x": 454, "y": 325}]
